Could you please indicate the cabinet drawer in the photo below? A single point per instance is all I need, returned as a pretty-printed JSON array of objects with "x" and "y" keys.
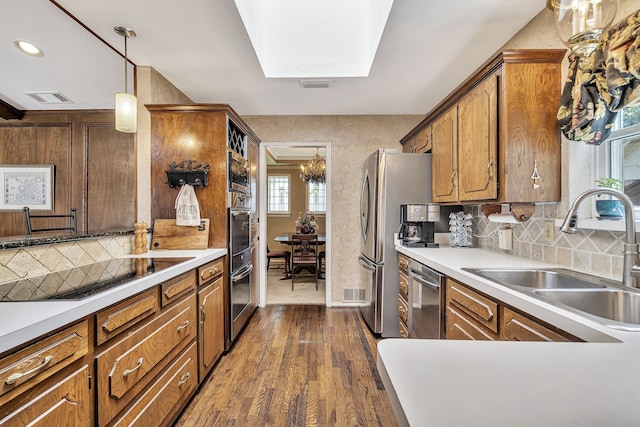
[
  {"x": 403, "y": 263},
  {"x": 478, "y": 307},
  {"x": 177, "y": 287},
  {"x": 460, "y": 327},
  {"x": 165, "y": 397},
  {"x": 128, "y": 366},
  {"x": 403, "y": 310},
  {"x": 28, "y": 367},
  {"x": 210, "y": 271},
  {"x": 519, "y": 328},
  {"x": 117, "y": 319},
  {"x": 67, "y": 403},
  {"x": 404, "y": 331},
  {"x": 403, "y": 286}
]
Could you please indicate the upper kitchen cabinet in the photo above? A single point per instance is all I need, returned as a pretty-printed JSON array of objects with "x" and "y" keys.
[
  {"x": 497, "y": 132},
  {"x": 417, "y": 141},
  {"x": 200, "y": 132}
]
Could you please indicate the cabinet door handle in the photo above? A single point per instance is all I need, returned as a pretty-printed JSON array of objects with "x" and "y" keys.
[
  {"x": 490, "y": 170},
  {"x": 453, "y": 179},
  {"x": 184, "y": 379},
  {"x": 203, "y": 314},
  {"x": 209, "y": 272},
  {"x": 18, "y": 375},
  {"x": 183, "y": 327},
  {"x": 129, "y": 371}
]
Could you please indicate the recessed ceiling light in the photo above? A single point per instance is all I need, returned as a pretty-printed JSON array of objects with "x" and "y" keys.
[{"x": 28, "y": 48}]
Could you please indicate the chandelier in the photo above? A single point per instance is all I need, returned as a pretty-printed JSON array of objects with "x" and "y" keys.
[{"x": 314, "y": 171}]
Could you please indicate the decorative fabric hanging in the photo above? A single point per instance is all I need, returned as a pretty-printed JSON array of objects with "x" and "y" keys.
[{"x": 600, "y": 85}]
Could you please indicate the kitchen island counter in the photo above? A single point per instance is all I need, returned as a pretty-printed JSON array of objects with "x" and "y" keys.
[
  {"x": 451, "y": 383},
  {"x": 21, "y": 322}
]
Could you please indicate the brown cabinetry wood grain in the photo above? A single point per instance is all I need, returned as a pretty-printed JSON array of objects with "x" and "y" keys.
[
  {"x": 128, "y": 366},
  {"x": 117, "y": 319},
  {"x": 211, "y": 320},
  {"x": 177, "y": 287},
  {"x": 517, "y": 327},
  {"x": 31, "y": 366},
  {"x": 65, "y": 403},
  {"x": 444, "y": 159},
  {"x": 159, "y": 405}
]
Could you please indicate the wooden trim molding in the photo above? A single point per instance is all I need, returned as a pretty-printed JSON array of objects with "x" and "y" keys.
[{"x": 9, "y": 112}]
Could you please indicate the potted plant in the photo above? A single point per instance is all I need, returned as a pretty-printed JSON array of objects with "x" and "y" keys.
[{"x": 610, "y": 209}]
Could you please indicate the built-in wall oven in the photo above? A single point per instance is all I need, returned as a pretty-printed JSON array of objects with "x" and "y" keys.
[
  {"x": 425, "y": 296},
  {"x": 241, "y": 300}
]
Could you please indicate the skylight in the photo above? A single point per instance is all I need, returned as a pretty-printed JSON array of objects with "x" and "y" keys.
[{"x": 315, "y": 38}]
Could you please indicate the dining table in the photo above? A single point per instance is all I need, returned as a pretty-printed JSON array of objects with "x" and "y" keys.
[{"x": 286, "y": 238}]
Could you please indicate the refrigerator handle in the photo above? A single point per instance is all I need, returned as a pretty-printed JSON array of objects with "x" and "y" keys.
[{"x": 365, "y": 263}]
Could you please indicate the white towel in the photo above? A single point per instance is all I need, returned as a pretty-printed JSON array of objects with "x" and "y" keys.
[{"x": 187, "y": 207}]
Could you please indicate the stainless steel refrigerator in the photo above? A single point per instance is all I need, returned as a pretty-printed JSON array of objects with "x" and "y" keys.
[{"x": 389, "y": 179}]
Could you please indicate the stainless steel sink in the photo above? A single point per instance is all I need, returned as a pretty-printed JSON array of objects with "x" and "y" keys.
[
  {"x": 612, "y": 304},
  {"x": 551, "y": 278}
]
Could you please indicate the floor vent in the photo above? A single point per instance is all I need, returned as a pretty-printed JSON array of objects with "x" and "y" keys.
[
  {"x": 353, "y": 295},
  {"x": 49, "y": 97}
]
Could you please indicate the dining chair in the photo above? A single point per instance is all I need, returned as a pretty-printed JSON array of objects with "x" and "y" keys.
[
  {"x": 304, "y": 255},
  {"x": 285, "y": 255}
]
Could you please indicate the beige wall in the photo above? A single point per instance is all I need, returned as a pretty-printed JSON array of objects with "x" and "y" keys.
[{"x": 352, "y": 139}]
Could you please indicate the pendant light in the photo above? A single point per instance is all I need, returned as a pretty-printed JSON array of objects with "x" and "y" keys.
[{"x": 126, "y": 104}]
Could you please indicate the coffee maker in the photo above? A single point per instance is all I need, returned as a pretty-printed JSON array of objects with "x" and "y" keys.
[{"x": 417, "y": 225}]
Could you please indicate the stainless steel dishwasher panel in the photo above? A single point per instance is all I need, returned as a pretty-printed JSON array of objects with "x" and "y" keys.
[{"x": 426, "y": 316}]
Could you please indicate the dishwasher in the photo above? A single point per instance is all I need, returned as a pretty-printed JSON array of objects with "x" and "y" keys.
[{"x": 425, "y": 296}]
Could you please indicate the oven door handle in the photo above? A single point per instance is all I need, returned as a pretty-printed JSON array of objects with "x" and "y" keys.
[
  {"x": 242, "y": 273},
  {"x": 413, "y": 274}
]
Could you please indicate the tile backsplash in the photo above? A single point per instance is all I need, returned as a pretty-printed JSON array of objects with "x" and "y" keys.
[
  {"x": 592, "y": 251},
  {"x": 33, "y": 261}
]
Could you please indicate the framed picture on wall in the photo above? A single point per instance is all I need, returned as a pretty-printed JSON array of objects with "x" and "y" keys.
[{"x": 26, "y": 185}]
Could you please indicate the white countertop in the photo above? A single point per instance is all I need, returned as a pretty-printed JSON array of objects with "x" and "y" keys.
[
  {"x": 21, "y": 322},
  {"x": 457, "y": 383}
]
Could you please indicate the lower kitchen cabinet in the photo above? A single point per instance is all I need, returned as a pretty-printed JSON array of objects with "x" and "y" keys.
[
  {"x": 471, "y": 315},
  {"x": 517, "y": 327},
  {"x": 66, "y": 402},
  {"x": 136, "y": 362},
  {"x": 403, "y": 295},
  {"x": 211, "y": 333}
]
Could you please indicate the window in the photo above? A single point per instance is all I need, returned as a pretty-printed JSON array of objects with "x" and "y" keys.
[
  {"x": 278, "y": 194},
  {"x": 622, "y": 153},
  {"x": 317, "y": 197}
]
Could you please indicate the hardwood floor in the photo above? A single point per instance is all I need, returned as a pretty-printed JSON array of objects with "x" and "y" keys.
[{"x": 295, "y": 366}]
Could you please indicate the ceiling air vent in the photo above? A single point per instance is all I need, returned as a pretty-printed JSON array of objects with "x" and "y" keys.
[
  {"x": 315, "y": 83},
  {"x": 49, "y": 97}
]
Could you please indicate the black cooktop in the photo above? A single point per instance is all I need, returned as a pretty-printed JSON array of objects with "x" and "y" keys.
[{"x": 81, "y": 282}]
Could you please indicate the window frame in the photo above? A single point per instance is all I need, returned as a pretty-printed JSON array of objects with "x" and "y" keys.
[{"x": 279, "y": 213}]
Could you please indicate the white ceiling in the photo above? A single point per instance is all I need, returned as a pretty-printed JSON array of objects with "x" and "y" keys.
[{"x": 201, "y": 46}]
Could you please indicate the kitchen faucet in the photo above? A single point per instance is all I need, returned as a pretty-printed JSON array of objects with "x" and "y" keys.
[{"x": 631, "y": 265}]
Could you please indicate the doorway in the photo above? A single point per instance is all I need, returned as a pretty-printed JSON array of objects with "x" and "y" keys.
[{"x": 283, "y": 159}]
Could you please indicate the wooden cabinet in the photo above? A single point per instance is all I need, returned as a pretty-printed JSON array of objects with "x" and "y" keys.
[
  {"x": 174, "y": 289},
  {"x": 66, "y": 402},
  {"x": 418, "y": 141},
  {"x": 471, "y": 315},
  {"x": 211, "y": 321},
  {"x": 403, "y": 295},
  {"x": 444, "y": 159},
  {"x": 518, "y": 327},
  {"x": 126, "y": 367},
  {"x": 496, "y": 129},
  {"x": 160, "y": 404},
  {"x": 32, "y": 366},
  {"x": 120, "y": 317}
]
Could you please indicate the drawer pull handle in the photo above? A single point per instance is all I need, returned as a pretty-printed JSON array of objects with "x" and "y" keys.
[
  {"x": 18, "y": 375},
  {"x": 209, "y": 272},
  {"x": 184, "y": 379},
  {"x": 129, "y": 371},
  {"x": 182, "y": 327}
]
